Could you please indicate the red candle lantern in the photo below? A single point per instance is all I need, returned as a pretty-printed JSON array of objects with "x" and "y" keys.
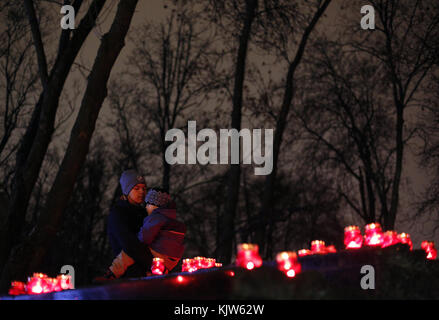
[
  {"x": 38, "y": 283},
  {"x": 55, "y": 284},
  {"x": 405, "y": 238},
  {"x": 304, "y": 252},
  {"x": 65, "y": 282},
  {"x": 374, "y": 235},
  {"x": 189, "y": 265},
  {"x": 428, "y": 247},
  {"x": 200, "y": 262},
  {"x": 210, "y": 262},
  {"x": 218, "y": 265},
  {"x": 390, "y": 238},
  {"x": 248, "y": 256},
  {"x": 331, "y": 249},
  {"x": 17, "y": 288},
  {"x": 352, "y": 237},
  {"x": 287, "y": 263},
  {"x": 318, "y": 246},
  {"x": 158, "y": 266}
]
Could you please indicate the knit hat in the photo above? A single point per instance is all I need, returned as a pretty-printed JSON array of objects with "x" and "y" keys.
[
  {"x": 157, "y": 197},
  {"x": 129, "y": 179}
]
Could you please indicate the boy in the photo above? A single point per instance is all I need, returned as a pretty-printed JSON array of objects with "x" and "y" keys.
[{"x": 161, "y": 232}]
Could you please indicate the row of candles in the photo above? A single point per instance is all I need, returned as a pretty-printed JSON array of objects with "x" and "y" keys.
[
  {"x": 41, "y": 283},
  {"x": 188, "y": 265},
  {"x": 374, "y": 237},
  {"x": 248, "y": 257}
]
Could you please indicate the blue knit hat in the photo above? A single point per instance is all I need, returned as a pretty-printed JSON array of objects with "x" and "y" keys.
[
  {"x": 129, "y": 179},
  {"x": 157, "y": 197}
]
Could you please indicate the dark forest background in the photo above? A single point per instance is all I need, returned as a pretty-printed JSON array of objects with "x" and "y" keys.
[{"x": 355, "y": 114}]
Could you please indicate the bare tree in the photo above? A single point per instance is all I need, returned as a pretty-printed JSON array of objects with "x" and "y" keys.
[
  {"x": 349, "y": 128},
  {"x": 282, "y": 116},
  {"x": 32, "y": 252},
  {"x": 176, "y": 66},
  {"x": 38, "y": 134},
  {"x": 18, "y": 78},
  {"x": 371, "y": 79},
  {"x": 236, "y": 18},
  {"x": 428, "y": 204},
  {"x": 406, "y": 66}
]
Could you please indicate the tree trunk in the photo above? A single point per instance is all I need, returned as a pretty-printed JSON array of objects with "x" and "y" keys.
[
  {"x": 30, "y": 255},
  {"x": 267, "y": 202},
  {"x": 389, "y": 219},
  {"x": 227, "y": 218},
  {"x": 38, "y": 135}
]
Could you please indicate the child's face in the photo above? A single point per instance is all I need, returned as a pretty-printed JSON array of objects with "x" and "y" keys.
[
  {"x": 150, "y": 208},
  {"x": 137, "y": 194}
]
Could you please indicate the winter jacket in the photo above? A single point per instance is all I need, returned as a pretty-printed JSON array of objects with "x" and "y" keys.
[
  {"x": 124, "y": 222},
  {"x": 164, "y": 234}
]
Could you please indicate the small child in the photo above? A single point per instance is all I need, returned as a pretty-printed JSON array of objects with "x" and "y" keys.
[{"x": 161, "y": 232}]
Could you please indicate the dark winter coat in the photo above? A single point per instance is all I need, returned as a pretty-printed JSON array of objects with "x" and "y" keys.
[
  {"x": 163, "y": 233},
  {"x": 124, "y": 223}
]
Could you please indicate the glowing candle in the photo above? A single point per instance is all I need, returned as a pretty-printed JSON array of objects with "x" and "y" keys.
[
  {"x": 218, "y": 265},
  {"x": 200, "y": 262},
  {"x": 304, "y": 252},
  {"x": 55, "y": 284},
  {"x": 189, "y": 265},
  {"x": 318, "y": 246},
  {"x": 331, "y": 249},
  {"x": 287, "y": 263},
  {"x": 210, "y": 262},
  {"x": 248, "y": 256},
  {"x": 405, "y": 238},
  {"x": 38, "y": 283},
  {"x": 390, "y": 238},
  {"x": 65, "y": 281},
  {"x": 428, "y": 247},
  {"x": 374, "y": 235},
  {"x": 158, "y": 266},
  {"x": 352, "y": 237},
  {"x": 17, "y": 287}
]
